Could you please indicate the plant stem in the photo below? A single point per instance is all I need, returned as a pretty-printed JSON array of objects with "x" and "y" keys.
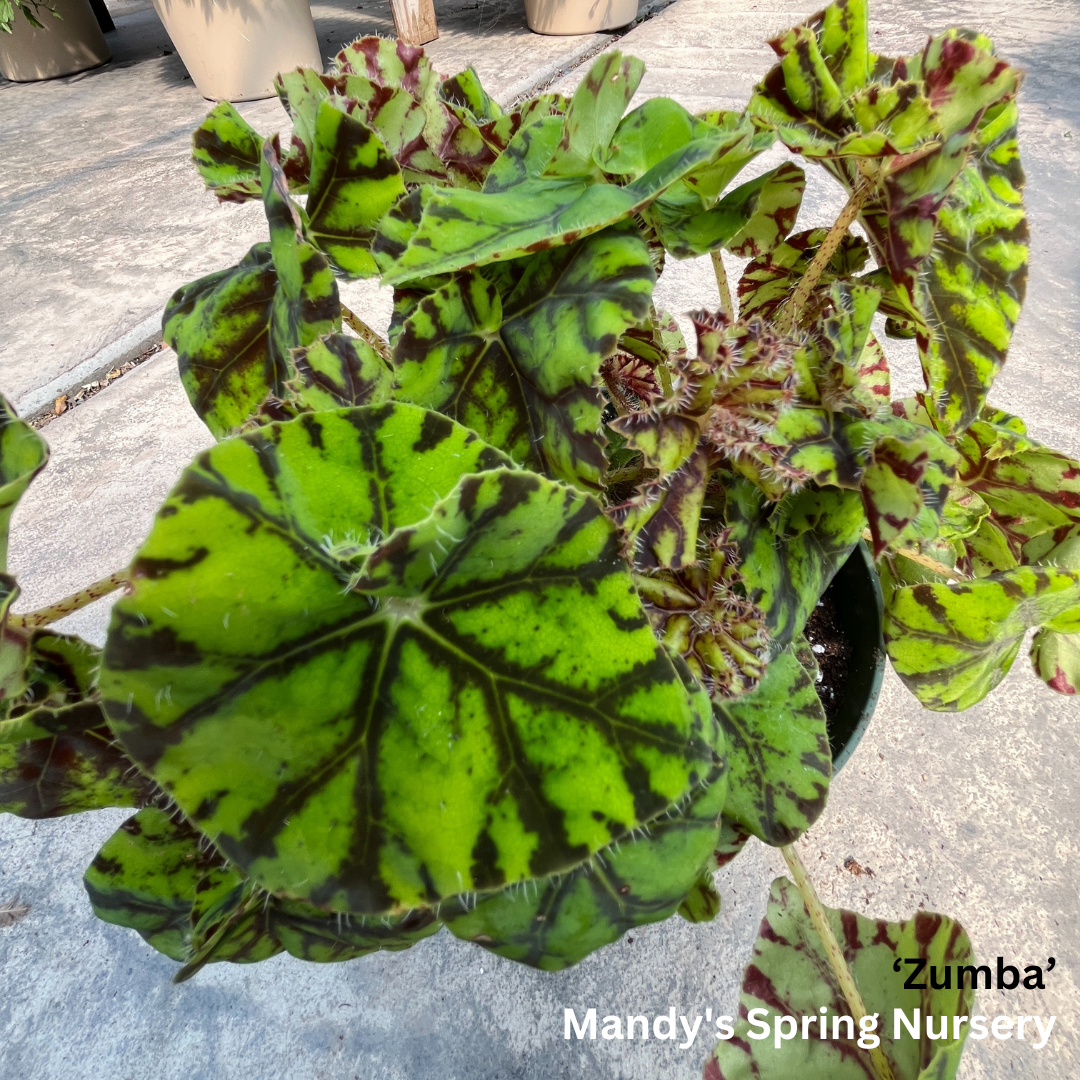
[
  {"x": 789, "y": 318},
  {"x": 31, "y": 620},
  {"x": 834, "y": 954},
  {"x": 726, "y": 306},
  {"x": 366, "y": 333}
]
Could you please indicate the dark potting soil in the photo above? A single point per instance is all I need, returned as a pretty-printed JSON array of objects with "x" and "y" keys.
[{"x": 832, "y": 650}]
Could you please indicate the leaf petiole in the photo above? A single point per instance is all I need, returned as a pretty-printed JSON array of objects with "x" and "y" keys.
[
  {"x": 31, "y": 620},
  {"x": 833, "y": 952},
  {"x": 365, "y": 332},
  {"x": 788, "y": 319}
]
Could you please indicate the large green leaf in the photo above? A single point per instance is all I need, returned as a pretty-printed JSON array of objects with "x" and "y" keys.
[
  {"x": 778, "y": 751},
  {"x": 952, "y": 644},
  {"x": 520, "y": 369},
  {"x": 233, "y": 330},
  {"x": 377, "y": 735},
  {"x": 554, "y": 923},
  {"x": 523, "y": 208},
  {"x": 789, "y": 976},
  {"x": 227, "y": 151},
  {"x": 354, "y": 181},
  {"x": 23, "y": 454}
]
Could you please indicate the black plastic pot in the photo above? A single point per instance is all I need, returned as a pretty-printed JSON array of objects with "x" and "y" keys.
[{"x": 859, "y": 609}]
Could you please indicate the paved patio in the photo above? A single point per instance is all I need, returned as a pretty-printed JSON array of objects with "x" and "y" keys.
[{"x": 974, "y": 814}]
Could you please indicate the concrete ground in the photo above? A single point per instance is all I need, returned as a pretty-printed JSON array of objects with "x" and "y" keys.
[{"x": 974, "y": 814}]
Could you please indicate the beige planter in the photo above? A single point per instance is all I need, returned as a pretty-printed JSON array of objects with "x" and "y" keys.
[
  {"x": 65, "y": 45},
  {"x": 559, "y": 17},
  {"x": 234, "y": 48}
]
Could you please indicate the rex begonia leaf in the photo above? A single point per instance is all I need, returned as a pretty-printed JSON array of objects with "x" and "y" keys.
[
  {"x": 520, "y": 370},
  {"x": 157, "y": 875},
  {"x": 336, "y": 371},
  {"x": 911, "y": 468},
  {"x": 233, "y": 330},
  {"x": 464, "y": 89},
  {"x": 749, "y": 221},
  {"x": 790, "y": 976},
  {"x": 23, "y": 454},
  {"x": 146, "y": 877},
  {"x": 227, "y": 151},
  {"x": 595, "y": 112},
  {"x": 57, "y": 761},
  {"x": 376, "y": 736},
  {"x": 1033, "y": 493},
  {"x": 556, "y": 922},
  {"x": 952, "y": 644},
  {"x": 1056, "y": 659},
  {"x": 976, "y": 275},
  {"x": 778, "y": 752},
  {"x": 354, "y": 181},
  {"x": 520, "y": 212},
  {"x": 789, "y": 555}
]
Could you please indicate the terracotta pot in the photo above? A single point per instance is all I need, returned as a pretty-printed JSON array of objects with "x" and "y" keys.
[
  {"x": 559, "y": 17},
  {"x": 232, "y": 49},
  {"x": 66, "y": 45}
]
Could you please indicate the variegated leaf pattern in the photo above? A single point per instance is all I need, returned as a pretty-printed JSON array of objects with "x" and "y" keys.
[
  {"x": 595, "y": 113},
  {"x": 354, "y": 181},
  {"x": 1056, "y": 659},
  {"x": 554, "y": 923},
  {"x": 1033, "y": 493},
  {"x": 337, "y": 371},
  {"x": 976, "y": 275},
  {"x": 233, "y": 330},
  {"x": 749, "y": 221},
  {"x": 158, "y": 876},
  {"x": 57, "y": 761},
  {"x": 556, "y": 193},
  {"x": 57, "y": 753},
  {"x": 702, "y": 903},
  {"x": 790, "y": 553},
  {"x": 789, "y": 975},
  {"x": 463, "y": 735},
  {"x": 521, "y": 369},
  {"x": 778, "y": 751},
  {"x": 921, "y": 116},
  {"x": 23, "y": 454},
  {"x": 14, "y": 649},
  {"x": 952, "y": 644},
  {"x": 147, "y": 875},
  {"x": 227, "y": 151},
  {"x": 910, "y": 470}
]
